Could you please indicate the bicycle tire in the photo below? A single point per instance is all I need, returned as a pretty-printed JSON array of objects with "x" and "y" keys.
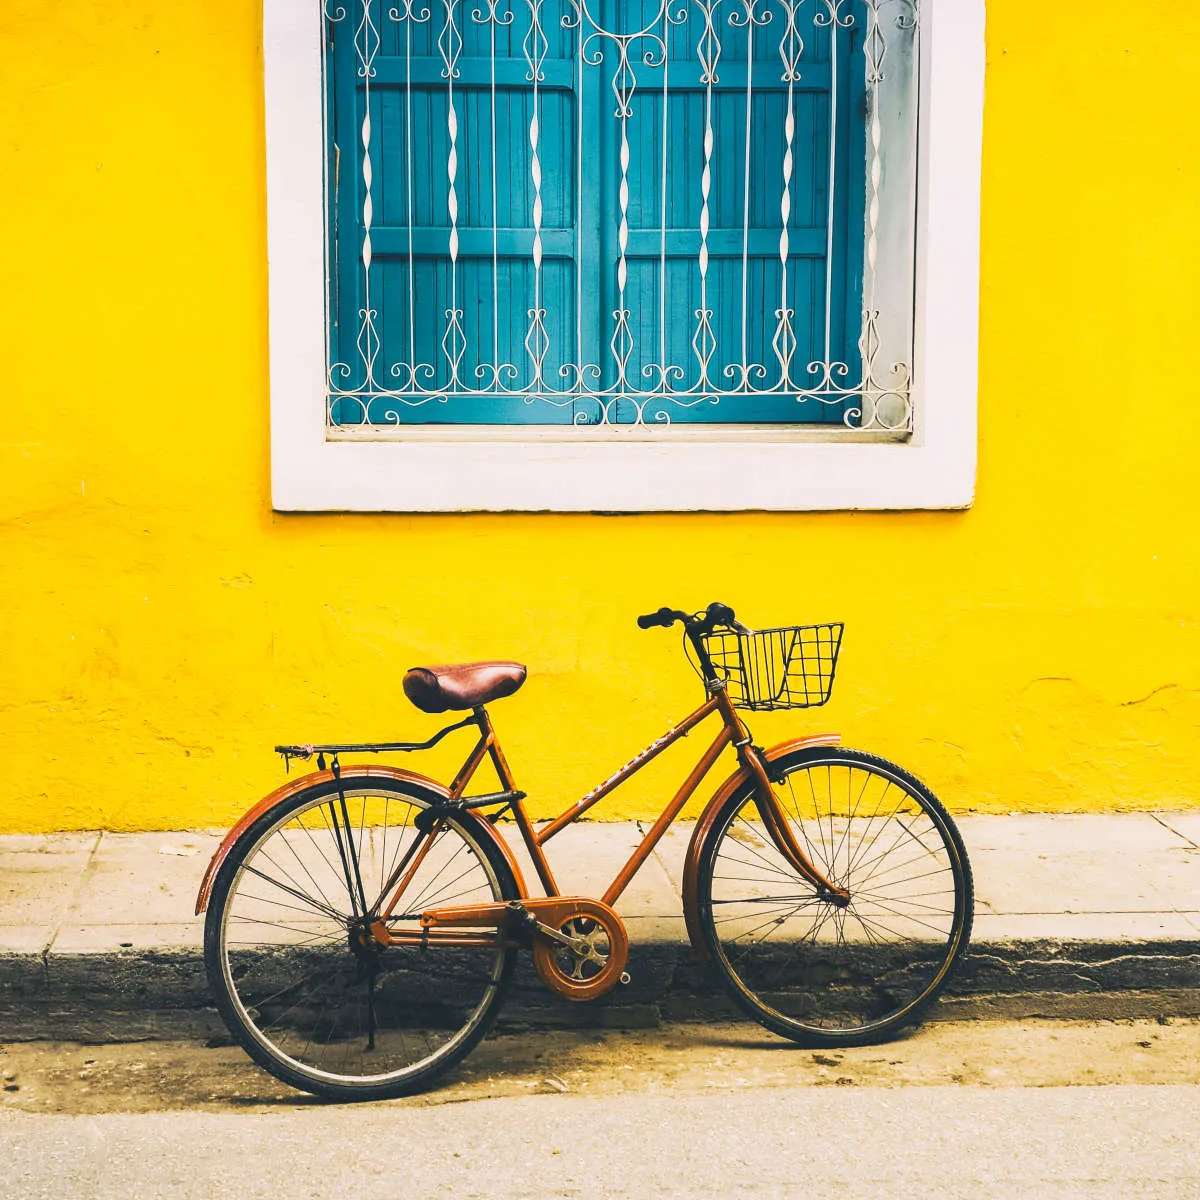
[
  {"x": 804, "y": 968},
  {"x": 298, "y": 997}
]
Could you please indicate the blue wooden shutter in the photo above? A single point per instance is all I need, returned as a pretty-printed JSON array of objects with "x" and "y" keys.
[{"x": 646, "y": 301}]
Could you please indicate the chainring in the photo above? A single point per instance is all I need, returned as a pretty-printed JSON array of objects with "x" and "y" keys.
[{"x": 596, "y": 962}]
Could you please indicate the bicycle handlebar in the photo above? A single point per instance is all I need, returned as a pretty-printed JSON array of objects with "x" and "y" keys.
[
  {"x": 695, "y": 623},
  {"x": 666, "y": 617}
]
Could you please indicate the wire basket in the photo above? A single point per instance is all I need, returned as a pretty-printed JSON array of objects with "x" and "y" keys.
[{"x": 790, "y": 667}]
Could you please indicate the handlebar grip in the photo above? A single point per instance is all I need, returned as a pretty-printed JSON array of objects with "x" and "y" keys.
[{"x": 664, "y": 617}]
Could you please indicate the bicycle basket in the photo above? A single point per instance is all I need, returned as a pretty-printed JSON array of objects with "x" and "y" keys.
[{"x": 790, "y": 667}]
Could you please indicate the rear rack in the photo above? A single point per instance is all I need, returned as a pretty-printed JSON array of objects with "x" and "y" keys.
[{"x": 308, "y": 749}]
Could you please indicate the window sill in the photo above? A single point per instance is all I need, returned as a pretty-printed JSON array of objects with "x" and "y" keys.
[{"x": 620, "y": 476}]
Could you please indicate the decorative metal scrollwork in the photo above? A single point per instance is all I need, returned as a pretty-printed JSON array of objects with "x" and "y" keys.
[{"x": 876, "y": 394}]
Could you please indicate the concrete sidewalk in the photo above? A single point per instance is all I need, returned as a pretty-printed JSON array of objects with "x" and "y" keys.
[{"x": 1089, "y": 914}]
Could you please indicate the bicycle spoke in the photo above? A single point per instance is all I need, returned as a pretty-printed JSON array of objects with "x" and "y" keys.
[
  {"x": 296, "y": 894},
  {"x": 907, "y": 916},
  {"x": 287, "y": 841},
  {"x": 333, "y": 870},
  {"x": 789, "y": 905},
  {"x": 308, "y": 910},
  {"x": 280, "y": 925},
  {"x": 779, "y": 869}
]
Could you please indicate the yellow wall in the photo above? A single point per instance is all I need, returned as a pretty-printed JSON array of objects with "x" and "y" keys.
[{"x": 162, "y": 627}]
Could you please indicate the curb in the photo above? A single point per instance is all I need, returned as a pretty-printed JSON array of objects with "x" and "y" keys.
[{"x": 132, "y": 995}]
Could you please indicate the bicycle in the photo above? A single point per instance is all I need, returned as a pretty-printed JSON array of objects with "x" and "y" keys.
[{"x": 363, "y": 921}]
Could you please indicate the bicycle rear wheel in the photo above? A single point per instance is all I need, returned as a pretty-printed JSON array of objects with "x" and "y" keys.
[
  {"x": 806, "y": 968},
  {"x": 310, "y": 999}
]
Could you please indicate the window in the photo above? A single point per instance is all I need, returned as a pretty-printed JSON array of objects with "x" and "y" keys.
[{"x": 623, "y": 255}]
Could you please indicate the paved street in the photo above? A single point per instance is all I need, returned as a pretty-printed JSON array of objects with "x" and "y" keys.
[
  {"x": 983, "y": 1109},
  {"x": 791, "y": 1141}
]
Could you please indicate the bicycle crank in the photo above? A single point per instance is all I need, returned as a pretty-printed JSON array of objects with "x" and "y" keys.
[
  {"x": 581, "y": 953},
  {"x": 580, "y": 946}
]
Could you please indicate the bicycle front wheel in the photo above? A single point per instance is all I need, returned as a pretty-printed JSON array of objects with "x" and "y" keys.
[
  {"x": 308, "y": 996},
  {"x": 805, "y": 967}
]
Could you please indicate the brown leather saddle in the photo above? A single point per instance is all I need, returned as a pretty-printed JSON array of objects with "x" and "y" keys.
[{"x": 465, "y": 685}]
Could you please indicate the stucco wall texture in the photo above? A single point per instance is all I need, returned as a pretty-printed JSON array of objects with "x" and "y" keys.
[{"x": 162, "y": 627}]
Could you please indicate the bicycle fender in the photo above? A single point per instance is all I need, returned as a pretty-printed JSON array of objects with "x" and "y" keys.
[
  {"x": 691, "y": 865},
  {"x": 433, "y": 790}
]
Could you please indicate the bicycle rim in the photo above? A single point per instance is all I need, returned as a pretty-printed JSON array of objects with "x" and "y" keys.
[
  {"x": 804, "y": 966},
  {"x": 309, "y": 1002}
]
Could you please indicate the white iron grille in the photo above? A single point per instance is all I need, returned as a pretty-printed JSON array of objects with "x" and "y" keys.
[{"x": 878, "y": 399}]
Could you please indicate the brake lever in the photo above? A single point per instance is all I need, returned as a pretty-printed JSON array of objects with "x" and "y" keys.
[{"x": 714, "y": 616}]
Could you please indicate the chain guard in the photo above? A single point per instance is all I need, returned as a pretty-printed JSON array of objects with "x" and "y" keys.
[{"x": 605, "y": 951}]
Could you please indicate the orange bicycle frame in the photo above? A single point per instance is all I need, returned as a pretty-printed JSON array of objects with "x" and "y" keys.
[{"x": 733, "y": 732}]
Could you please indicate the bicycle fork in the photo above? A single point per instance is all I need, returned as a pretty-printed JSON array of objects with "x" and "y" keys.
[{"x": 773, "y": 818}]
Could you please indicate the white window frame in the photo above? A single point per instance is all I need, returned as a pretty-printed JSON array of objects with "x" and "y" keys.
[{"x": 530, "y": 469}]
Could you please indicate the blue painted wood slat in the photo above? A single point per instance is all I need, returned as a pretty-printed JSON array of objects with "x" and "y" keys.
[{"x": 394, "y": 326}]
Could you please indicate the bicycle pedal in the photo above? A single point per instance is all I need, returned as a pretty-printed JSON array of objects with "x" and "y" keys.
[{"x": 522, "y": 922}]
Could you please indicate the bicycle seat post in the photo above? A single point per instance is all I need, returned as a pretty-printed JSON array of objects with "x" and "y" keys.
[{"x": 491, "y": 742}]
